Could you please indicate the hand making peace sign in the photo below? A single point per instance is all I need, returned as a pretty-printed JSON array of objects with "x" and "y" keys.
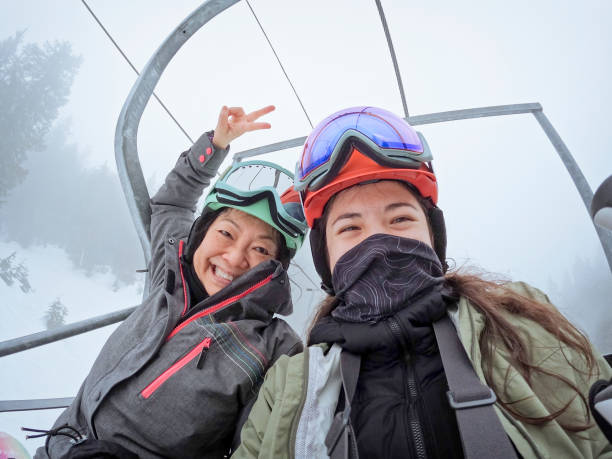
[{"x": 233, "y": 122}]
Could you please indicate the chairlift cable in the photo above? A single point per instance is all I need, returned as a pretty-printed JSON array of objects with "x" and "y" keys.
[
  {"x": 299, "y": 287},
  {"x": 280, "y": 63},
  {"x": 293, "y": 263},
  {"x": 381, "y": 13},
  {"x": 135, "y": 70}
]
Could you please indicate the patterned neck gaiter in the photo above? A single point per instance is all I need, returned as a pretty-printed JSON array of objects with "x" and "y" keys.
[{"x": 379, "y": 276}]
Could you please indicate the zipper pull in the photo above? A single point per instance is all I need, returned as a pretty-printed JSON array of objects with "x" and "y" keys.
[{"x": 202, "y": 358}]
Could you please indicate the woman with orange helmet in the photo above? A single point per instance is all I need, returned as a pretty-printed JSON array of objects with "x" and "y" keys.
[{"x": 406, "y": 359}]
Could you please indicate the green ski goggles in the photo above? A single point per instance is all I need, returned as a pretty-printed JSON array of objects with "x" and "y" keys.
[{"x": 264, "y": 190}]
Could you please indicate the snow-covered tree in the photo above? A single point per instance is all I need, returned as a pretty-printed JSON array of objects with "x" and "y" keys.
[
  {"x": 11, "y": 271},
  {"x": 34, "y": 83},
  {"x": 55, "y": 315}
]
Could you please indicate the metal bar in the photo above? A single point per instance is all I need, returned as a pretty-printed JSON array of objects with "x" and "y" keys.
[
  {"x": 430, "y": 118},
  {"x": 35, "y": 404},
  {"x": 297, "y": 142},
  {"x": 584, "y": 189},
  {"x": 470, "y": 113},
  {"x": 23, "y": 343},
  {"x": 126, "y": 150},
  {"x": 398, "y": 77}
]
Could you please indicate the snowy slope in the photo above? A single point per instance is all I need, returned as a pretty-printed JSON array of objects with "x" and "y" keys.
[{"x": 54, "y": 370}]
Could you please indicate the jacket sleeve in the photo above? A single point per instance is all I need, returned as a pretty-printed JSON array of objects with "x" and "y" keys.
[
  {"x": 285, "y": 342},
  {"x": 173, "y": 206},
  {"x": 590, "y": 443},
  {"x": 256, "y": 426},
  {"x": 284, "y": 339}
]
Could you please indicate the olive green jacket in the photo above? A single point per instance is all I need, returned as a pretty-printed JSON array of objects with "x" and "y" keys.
[{"x": 271, "y": 430}]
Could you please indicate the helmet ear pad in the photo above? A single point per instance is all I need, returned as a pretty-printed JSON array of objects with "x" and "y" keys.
[
  {"x": 320, "y": 258},
  {"x": 438, "y": 230}
]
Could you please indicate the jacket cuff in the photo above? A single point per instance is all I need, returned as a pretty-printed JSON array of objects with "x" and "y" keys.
[{"x": 204, "y": 156}]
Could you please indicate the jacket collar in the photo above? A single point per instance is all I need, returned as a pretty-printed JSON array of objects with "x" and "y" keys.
[{"x": 258, "y": 294}]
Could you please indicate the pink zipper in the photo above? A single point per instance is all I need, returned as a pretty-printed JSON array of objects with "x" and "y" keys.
[
  {"x": 218, "y": 306},
  {"x": 161, "y": 379}
]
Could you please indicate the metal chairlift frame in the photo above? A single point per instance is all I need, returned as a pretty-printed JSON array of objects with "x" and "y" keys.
[{"x": 137, "y": 194}]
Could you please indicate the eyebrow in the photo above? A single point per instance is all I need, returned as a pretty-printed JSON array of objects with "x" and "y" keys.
[
  {"x": 266, "y": 236},
  {"x": 390, "y": 207},
  {"x": 395, "y": 205},
  {"x": 347, "y": 215},
  {"x": 260, "y": 236},
  {"x": 227, "y": 219}
]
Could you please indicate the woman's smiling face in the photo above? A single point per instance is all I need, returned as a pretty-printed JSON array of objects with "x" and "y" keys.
[
  {"x": 234, "y": 243},
  {"x": 386, "y": 207}
]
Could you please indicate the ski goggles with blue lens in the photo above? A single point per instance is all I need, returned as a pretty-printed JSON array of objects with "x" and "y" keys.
[
  {"x": 257, "y": 187},
  {"x": 382, "y": 135}
]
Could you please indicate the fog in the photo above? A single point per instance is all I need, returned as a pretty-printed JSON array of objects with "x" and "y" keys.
[{"x": 66, "y": 236}]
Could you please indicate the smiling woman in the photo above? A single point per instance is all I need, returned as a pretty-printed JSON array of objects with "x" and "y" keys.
[{"x": 194, "y": 353}]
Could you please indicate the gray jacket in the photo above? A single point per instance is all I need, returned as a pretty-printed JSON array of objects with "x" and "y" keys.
[{"x": 175, "y": 379}]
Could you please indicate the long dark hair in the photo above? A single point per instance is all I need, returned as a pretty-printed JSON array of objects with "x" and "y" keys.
[{"x": 495, "y": 300}]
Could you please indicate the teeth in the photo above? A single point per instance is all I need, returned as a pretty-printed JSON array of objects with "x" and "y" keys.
[{"x": 219, "y": 272}]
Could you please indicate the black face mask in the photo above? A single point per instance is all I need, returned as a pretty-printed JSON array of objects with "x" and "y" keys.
[{"x": 377, "y": 278}]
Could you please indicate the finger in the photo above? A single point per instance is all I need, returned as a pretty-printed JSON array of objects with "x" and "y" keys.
[
  {"x": 223, "y": 114},
  {"x": 256, "y": 126},
  {"x": 236, "y": 111},
  {"x": 262, "y": 111}
]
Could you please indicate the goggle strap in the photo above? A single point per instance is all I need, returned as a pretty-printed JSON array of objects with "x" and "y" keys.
[
  {"x": 340, "y": 157},
  {"x": 243, "y": 201}
]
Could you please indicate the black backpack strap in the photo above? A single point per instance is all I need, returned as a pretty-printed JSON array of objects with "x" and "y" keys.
[
  {"x": 482, "y": 434},
  {"x": 340, "y": 440}
]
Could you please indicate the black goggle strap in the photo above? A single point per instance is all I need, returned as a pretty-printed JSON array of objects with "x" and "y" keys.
[
  {"x": 344, "y": 154},
  {"x": 277, "y": 218}
]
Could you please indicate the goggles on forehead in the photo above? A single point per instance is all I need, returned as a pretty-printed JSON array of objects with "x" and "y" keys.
[
  {"x": 381, "y": 135},
  {"x": 262, "y": 189}
]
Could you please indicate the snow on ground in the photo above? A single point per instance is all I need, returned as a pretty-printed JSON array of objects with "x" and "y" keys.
[
  {"x": 52, "y": 276},
  {"x": 54, "y": 370}
]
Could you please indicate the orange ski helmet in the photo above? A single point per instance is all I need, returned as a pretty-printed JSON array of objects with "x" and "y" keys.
[{"x": 357, "y": 145}]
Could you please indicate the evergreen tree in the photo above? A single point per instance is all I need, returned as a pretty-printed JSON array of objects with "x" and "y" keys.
[
  {"x": 55, "y": 315},
  {"x": 76, "y": 208},
  {"x": 35, "y": 82},
  {"x": 52, "y": 197},
  {"x": 10, "y": 271}
]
